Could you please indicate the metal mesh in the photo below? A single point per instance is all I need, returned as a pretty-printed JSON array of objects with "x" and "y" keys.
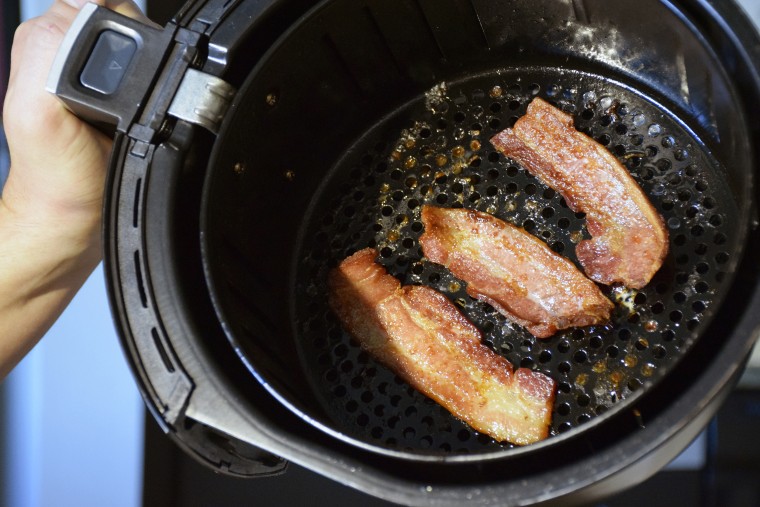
[{"x": 442, "y": 156}]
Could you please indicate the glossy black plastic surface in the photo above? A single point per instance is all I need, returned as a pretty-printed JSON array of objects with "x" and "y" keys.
[{"x": 335, "y": 76}]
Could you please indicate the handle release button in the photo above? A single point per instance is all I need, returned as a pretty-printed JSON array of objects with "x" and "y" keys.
[{"x": 108, "y": 62}]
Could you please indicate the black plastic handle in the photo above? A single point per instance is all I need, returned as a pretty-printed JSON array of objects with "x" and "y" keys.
[{"x": 106, "y": 65}]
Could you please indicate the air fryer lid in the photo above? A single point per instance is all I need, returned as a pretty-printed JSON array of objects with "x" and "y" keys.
[{"x": 339, "y": 152}]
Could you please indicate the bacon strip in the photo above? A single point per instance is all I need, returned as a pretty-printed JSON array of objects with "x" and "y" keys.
[
  {"x": 629, "y": 239},
  {"x": 512, "y": 270},
  {"x": 422, "y": 337}
]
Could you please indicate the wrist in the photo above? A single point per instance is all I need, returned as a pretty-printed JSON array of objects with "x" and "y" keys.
[
  {"x": 68, "y": 238},
  {"x": 43, "y": 262}
]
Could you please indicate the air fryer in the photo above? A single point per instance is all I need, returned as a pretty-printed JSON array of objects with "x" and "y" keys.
[{"x": 257, "y": 144}]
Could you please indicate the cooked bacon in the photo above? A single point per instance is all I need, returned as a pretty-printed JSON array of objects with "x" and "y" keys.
[
  {"x": 512, "y": 270},
  {"x": 629, "y": 239},
  {"x": 422, "y": 337}
]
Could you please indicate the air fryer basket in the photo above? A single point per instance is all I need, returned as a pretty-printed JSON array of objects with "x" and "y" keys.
[
  {"x": 354, "y": 120},
  {"x": 365, "y": 111},
  {"x": 444, "y": 159}
]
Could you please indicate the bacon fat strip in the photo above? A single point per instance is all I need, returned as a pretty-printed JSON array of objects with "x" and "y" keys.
[
  {"x": 629, "y": 239},
  {"x": 512, "y": 270},
  {"x": 422, "y": 337}
]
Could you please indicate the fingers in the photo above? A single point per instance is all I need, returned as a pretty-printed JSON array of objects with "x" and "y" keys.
[
  {"x": 125, "y": 7},
  {"x": 130, "y": 9},
  {"x": 35, "y": 44},
  {"x": 36, "y": 41},
  {"x": 78, "y": 4}
]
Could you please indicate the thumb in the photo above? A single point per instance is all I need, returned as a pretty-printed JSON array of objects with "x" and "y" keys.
[
  {"x": 128, "y": 8},
  {"x": 125, "y": 7}
]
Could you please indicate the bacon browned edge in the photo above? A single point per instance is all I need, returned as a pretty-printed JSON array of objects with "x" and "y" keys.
[
  {"x": 512, "y": 270},
  {"x": 629, "y": 240},
  {"x": 423, "y": 338}
]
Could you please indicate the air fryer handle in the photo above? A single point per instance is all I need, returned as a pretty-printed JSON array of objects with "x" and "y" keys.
[{"x": 105, "y": 66}]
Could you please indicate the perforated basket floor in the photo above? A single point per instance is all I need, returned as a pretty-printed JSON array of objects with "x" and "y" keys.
[{"x": 438, "y": 152}]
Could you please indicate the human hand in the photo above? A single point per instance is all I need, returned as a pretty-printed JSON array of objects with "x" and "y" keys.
[
  {"x": 57, "y": 161},
  {"x": 50, "y": 210}
]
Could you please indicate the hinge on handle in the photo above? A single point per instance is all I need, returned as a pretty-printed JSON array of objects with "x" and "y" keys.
[{"x": 202, "y": 99}]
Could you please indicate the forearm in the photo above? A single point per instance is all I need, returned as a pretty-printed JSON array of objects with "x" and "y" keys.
[
  {"x": 50, "y": 210},
  {"x": 42, "y": 265}
]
